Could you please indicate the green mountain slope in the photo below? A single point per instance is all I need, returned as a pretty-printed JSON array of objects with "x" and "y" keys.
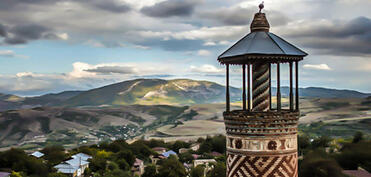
[{"x": 153, "y": 91}]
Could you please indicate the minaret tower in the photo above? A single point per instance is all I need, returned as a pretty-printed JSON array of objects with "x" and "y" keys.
[{"x": 262, "y": 138}]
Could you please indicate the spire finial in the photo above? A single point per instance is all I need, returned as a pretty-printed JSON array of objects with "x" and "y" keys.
[{"x": 261, "y": 6}]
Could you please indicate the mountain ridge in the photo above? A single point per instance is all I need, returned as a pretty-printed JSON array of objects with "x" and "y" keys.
[{"x": 156, "y": 91}]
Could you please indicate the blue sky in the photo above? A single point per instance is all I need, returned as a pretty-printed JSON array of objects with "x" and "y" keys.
[{"x": 56, "y": 45}]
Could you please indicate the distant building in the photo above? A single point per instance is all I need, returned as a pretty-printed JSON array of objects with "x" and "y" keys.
[
  {"x": 156, "y": 158},
  {"x": 37, "y": 154},
  {"x": 159, "y": 150},
  {"x": 357, "y": 173},
  {"x": 74, "y": 167},
  {"x": 168, "y": 153},
  {"x": 183, "y": 150},
  {"x": 195, "y": 147},
  {"x": 138, "y": 167},
  {"x": 206, "y": 162},
  {"x": 216, "y": 154},
  {"x": 4, "y": 174},
  {"x": 82, "y": 156}
]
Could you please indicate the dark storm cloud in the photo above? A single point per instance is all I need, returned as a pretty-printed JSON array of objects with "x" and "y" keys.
[
  {"x": 3, "y": 29},
  {"x": 351, "y": 38},
  {"x": 242, "y": 16},
  {"x": 112, "y": 70},
  {"x": 21, "y": 34},
  {"x": 112, "y": 6},
  {"x": 170, "y": 8}
]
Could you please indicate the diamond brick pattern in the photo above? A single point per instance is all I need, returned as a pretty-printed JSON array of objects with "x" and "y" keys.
[{"x": 262, "y": 166}]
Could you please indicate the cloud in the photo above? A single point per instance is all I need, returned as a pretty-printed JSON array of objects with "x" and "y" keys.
[
  {"x": 170, "y": 8},
  {"x": 112, "y": 70},
  {"x": 241, "y": 16},
  {"x": 351, "y": 37},
  {"x": 208, "y": 69},
  {"x": 10, "y": 54},
  {"x": 204, "y": 53},
  {"x": 21, "y": 34},
  {"x": 317, "y": 67},
  {"x": 110, "y": 5}
]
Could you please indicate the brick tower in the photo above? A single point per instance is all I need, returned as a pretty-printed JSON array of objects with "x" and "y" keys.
[{"x": 262, "y": 137}]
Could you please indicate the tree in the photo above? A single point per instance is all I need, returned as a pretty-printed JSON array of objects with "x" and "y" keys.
[
  {"x": 317, "y": 163},
  {"x": 186, "y": 157},
  {"x": 197, "y": 171},
  {"x": 218, "y": 170},
  {"x": 150, "y": 171},
  {"x": 54, "y": 154},
  {"x": 358, "y": 136},
  {"x": 57, "y": 175},
  {"x": 323, "y": 141},
  {"x": 171, "y": 167},
  {"x": 16, "y": 174}
]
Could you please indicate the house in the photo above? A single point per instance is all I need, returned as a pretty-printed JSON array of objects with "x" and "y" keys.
[
  {"x": 4, "y": 174},
  {"x": 196, "y": 156},
  {"x": 68, "y": 169},
  {"x": 357, "y": 173},
  {"x": 138, "y": 167},
  {"x": 74, "y": 167},
  {"x": 183, "y": 150},
  {"x": 156, "y": 158},
  {"x": 159, "y": 150},
  {"x": 82, "y": 156},
  {"x": 168, "y": 153},
  {"x": 195, "y": 147},
  {"x": 37, "y": 154},
  {"x": 216, "y": 154},
  {"x": 206, "y": 162}
]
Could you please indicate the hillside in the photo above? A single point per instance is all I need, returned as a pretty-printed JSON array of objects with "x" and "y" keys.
[
  {"x": 42, "y": 126},
  {"x": 153, "y": 91}
]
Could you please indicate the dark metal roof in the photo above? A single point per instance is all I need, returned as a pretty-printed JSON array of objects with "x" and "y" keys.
[{"x": 261, "y": 44}]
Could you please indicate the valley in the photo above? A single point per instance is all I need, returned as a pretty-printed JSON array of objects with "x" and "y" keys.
[{"x": 153, "y": 108}]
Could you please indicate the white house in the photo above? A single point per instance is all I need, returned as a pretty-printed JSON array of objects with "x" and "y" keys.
[
  {"x": 37, "y": 154},
  {"x": 74, "y": 167}
]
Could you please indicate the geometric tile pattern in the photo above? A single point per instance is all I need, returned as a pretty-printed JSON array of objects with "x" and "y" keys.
[{"x": 262, "y": 166}]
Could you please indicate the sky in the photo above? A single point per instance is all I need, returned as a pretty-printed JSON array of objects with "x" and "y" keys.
[{"x": 49, "y": 46}]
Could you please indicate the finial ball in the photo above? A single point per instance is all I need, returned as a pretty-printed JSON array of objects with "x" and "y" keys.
[{"x": 261, "y": 6}]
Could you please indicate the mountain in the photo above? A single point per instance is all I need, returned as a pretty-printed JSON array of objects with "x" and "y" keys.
[
  {"x": 154, "y": 91},
  {"x": 319, "y": 92}
]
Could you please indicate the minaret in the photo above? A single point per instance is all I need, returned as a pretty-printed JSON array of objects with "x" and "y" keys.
[{"x": 261, "y": 137}]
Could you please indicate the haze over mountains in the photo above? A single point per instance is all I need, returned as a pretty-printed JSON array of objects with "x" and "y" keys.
[{"x": 154, "y": 91}]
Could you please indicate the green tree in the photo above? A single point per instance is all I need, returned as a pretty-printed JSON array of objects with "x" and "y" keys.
[
  {"x": 318, "y": 164},
  {"x": 54, "y": 154},
  {"x": 186, "y": 157},
  {"x": 150, "y": 171},
  {"x": 171, "y": 167},
  {"x": 358, "y": 136},
  {"x": 197, "y": 171},
  {"x": 218, "y": 170},
  {"x": 16, "y": 174},
  {"x": 57, "y": 175},
  {"x": 323, "y": 141}
]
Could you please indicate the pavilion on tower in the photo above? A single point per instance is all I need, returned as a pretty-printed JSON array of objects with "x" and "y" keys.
[{"x": 261, "y": 139}]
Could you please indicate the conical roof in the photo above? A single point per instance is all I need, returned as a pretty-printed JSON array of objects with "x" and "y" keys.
[{"x": 261, "y": 44}]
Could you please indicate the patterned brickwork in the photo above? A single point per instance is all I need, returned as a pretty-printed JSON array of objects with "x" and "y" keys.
[
  {"x": 261, "y": 144},
  {"x": 262, "y": 166}
]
